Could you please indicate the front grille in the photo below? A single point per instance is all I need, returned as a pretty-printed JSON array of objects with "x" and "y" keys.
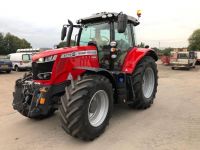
[{"x": 41, "y": 68}]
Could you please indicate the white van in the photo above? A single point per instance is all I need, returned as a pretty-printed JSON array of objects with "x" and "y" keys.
[
  {"x": 183, "y": 60},
  {"x": 21, "y": 61}
]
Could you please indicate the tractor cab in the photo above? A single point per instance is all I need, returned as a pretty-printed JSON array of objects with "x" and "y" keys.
[{"x": 111, "y": 33}]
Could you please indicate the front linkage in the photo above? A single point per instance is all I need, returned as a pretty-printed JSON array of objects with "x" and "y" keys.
[{"x": 30, "y": 98}]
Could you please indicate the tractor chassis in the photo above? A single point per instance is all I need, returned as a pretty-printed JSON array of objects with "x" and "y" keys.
[{"x": 39, "y": 99}]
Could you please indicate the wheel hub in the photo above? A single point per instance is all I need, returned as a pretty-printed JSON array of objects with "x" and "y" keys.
[
  {"x": 98, "y": 108},
  {"x": 148, "y": 82}
]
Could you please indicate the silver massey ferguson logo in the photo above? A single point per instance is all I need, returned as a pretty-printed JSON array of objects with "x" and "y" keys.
[{"x": 79, "y": 53}]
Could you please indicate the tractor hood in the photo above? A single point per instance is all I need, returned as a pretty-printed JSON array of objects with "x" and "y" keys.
[{"x": 61, "y": 51}]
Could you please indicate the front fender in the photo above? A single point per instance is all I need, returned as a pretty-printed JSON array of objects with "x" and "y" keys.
[
  {"x": 134, "y": 56},
  {"x": 100, "y": 71}
]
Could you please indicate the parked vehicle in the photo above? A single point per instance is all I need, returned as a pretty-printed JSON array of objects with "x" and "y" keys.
[
  {"x": 198, "y": 57},
  {"x": 5, "y": 65},
  {"x": 84, "y": 81},
  {"x": 185, "y": 60},
  {"x": 21, "y": 61},
  {"x": 165, "y": 60},
  {"x": 32, "y": 50},
  {"x": 29, "y": 50}
]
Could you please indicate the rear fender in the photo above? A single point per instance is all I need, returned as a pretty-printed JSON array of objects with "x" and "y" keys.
[{"x": 134, "y": 56}]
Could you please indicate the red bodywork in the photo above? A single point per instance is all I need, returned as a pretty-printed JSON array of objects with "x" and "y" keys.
[
  {"x": 166, "y": 59},
  {"x": 132, "y": 58},
  {"x": 63, "y": 66}
]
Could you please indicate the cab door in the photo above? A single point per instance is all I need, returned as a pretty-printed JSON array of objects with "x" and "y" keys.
[{"x": 125, "y": 42}]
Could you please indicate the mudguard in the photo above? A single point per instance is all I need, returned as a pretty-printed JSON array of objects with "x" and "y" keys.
[
  {"x": 101, "y": 71},
  {"x": 134, "y": 56}
]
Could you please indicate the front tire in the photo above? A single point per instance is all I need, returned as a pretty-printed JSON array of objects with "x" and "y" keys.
[
  {"x": 9, "y": 71},
  {"x": 145, "y": 82},
  {"x": 86, "y": 107}
]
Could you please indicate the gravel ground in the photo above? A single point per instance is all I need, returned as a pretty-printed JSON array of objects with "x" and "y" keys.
[{"x": 172, "y": 123}]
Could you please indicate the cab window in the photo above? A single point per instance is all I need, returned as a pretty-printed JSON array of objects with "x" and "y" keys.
[
  {"x": 124, "y": 40},
  {"x": 8, "y": 57},
  {"x": 182, "y": 56},
  {"x": 99, "y": 32}
]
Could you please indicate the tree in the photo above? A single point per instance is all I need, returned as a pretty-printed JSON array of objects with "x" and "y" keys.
[
  {"x": 1, "y": 42},
  {"x": 64, "y": 44},
  {"x": 157, "y": 50},
  {"x": 194, "y": 41},
  {"x": 141, "y": 45},
  {"x": 10, "y": 43},
  {"x": 166, "y": 51}
]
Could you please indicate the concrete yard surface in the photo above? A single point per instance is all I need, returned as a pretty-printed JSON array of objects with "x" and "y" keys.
[{"x": 172, "y": 123}]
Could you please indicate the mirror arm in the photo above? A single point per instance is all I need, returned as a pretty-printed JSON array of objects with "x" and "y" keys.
[
  {"x": 79, "y": 36},
  {"x": 69, "y": 35}
]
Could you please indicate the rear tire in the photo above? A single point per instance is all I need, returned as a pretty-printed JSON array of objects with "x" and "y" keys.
[
  {"x": 76, "y": 112},
  {"x": 145, "y": 90}
]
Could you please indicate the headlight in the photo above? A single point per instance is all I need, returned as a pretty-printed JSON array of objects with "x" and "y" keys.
[
  {"x": 44, "y": 76},
  {"x": 40, "y": 60},
  {"x": 47, "y": 59},
  {"x": 104, "y": 16},
  {"x": 110, "y": 15},
  {"x": 50, "y": 58}
]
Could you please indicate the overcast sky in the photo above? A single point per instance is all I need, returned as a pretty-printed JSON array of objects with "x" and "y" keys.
[{"x": 169, "y": 22}]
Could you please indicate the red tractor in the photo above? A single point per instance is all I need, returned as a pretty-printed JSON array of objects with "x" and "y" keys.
[{"x": 84, "y": 81}]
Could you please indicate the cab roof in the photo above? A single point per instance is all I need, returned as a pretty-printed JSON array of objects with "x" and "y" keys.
[{"x": 104, "y": 16}]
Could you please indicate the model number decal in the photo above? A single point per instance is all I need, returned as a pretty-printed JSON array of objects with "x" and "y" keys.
[{"x": 79, "y": 53}]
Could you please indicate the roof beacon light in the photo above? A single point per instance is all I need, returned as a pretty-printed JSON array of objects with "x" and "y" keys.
[{"x": 139, "y": 13}]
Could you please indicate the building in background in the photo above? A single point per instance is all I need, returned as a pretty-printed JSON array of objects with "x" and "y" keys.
[{"x": 180, "y": 50}]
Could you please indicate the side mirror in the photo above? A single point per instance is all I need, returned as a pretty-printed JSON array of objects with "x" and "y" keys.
[
  {"x": 122, "y": 23},
  {"x": 63, "y": 33}
]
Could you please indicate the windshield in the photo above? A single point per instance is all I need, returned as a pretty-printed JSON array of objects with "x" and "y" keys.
[
  {"x": 182, "y": 56},
  {"x": 2, "y": 58},
  {"x": 99, "y": 32}
]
